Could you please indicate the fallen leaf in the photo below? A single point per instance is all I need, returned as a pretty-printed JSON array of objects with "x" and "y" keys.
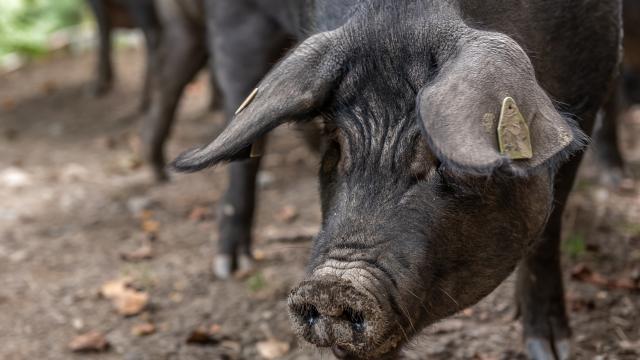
[
  {"x": 578, "y": 304},
  {"x": 114, "y": 288},
  {"x": 150, "y": 227},
  {"x": 143, "y": 329},
  {"x": 201, "y": 336},
  {"x": 131, "y": 303},
  {"x": 93, "y": 341},
  {"x": 272, "y": 348},
  {"x": 583, "y": 273},
  {"x": 199, "y": 213},
  {"x": 144, "y": 252},
  {"x": 287, "y": 214},
  {"x": 127, "y": 300}
]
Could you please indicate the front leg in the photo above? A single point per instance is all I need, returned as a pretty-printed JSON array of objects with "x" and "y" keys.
[
  {"x": 181, "y": 54},
  {"x": 146, "y": 18},
  {"x": 104, "y": 68},
  {"x": 540, "y": 289},
  {"x": 238, "y": 69}
]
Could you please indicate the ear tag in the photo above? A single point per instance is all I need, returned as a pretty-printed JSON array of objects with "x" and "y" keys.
[
  {"x": 513, "y": 133},
  {"x": 247, "y": 101},
  {"x": 257, "y": 149}
]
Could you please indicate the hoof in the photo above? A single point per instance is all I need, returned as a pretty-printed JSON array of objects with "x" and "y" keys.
[
  {"x": 542, "y": 349},
  {"x": 245, "y": 263},
  {"x": 223, "y": 267}
]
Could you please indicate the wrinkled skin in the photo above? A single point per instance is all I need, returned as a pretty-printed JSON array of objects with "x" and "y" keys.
[{"x": 422, "y": 215}]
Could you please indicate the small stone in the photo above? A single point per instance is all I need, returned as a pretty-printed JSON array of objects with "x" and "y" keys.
[
  {"x": 272, "y": 348},
  {"x": 14, "y": 177}
]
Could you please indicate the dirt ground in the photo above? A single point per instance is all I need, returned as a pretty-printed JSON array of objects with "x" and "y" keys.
[{"x": 74, "y": 202}]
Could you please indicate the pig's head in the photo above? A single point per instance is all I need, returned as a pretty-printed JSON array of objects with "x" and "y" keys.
[{"x": 422, "y": 214}]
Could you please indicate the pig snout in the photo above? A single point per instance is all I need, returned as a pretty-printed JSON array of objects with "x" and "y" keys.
[{"x": 343, "y": 314}]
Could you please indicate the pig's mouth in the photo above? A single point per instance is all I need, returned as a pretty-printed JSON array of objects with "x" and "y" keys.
[{"x": 339, "y": 312}]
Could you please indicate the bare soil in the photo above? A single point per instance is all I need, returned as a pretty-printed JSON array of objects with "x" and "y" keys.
[{"x": 74, "y": 199}]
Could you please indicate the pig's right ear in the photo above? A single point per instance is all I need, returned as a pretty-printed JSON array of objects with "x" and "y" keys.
[
  {"x": 294, "y": 90},
  {"x": 460, "y": 109}
]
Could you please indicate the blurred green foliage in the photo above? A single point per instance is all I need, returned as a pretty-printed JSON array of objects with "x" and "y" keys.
[
  {"x": 575, "y": 246},
  {"x": 26, "y": 24},
  {"x": 256, "y": 282}
]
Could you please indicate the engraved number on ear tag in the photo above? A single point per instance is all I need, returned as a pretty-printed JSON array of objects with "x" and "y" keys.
[
  {"x": 247, "y": 101},
  {"x": 513, "y": 133}
]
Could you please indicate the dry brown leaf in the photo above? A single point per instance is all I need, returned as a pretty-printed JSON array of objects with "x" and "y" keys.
[
  {"x": 144, "y": 252},
  {"x": 131, "y": 302},
  {"x": 143, "y": 329},
  {"x": 583, "y": 273},
  {"x": 150, "y": 226},
  {"x": 114, "y": 288},
  {"x": 93, "y": 341},
  {"x": 272, "y": 348},
  {"x": 147, "y": 214},
  {"x": 201, "y": 336},
  {"x": 127, "y": 301}
]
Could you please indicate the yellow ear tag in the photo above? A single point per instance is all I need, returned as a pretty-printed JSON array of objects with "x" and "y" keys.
[
  {"x": 247, "y": 101},
  {"x": 513, "y": 133}
]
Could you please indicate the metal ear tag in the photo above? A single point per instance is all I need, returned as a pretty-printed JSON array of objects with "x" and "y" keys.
[
  {"x": 513, "y": 132},
  {"x": 247, "y": 101},
  {"x": 257, "y": 149}
]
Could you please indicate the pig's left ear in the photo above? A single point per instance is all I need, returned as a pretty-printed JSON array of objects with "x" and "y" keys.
[
  {"x": 461, "y": 108},
  {"x": 294, "y": 90}
]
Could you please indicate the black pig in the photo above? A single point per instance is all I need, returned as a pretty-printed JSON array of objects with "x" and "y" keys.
[
  {"x": 423, "y": 214},
  {"x": 110, "y": 14}
]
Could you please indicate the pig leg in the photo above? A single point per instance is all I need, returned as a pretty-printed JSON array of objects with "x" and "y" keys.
[
  {"x": 183, "y": 54},
  {"x": 606, "y": 140},
  {"x": 217, "y": 102},
  {"x": 245, "y": 45},
  {"x": 540, "y": 289},
  {"x": 104, "y": 68},
  {"x": 144, "y": 14}
]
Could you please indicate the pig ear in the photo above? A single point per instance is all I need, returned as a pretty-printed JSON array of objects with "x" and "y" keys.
[
  {"x": 294, "y": 90},
  {"x": 461, "y": 108}
]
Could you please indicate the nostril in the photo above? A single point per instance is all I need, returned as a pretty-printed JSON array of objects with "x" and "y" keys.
[
  {"x": 309, "y": 314},
  {"x": 356, "y": 319}
]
